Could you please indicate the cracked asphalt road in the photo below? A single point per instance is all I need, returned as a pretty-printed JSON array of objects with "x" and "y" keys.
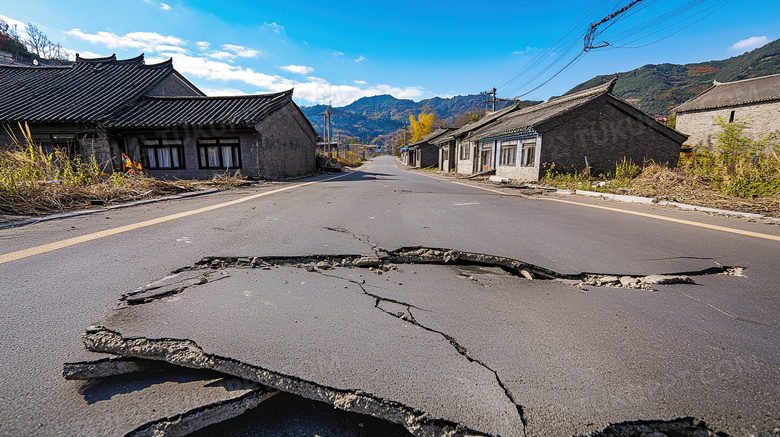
[{"x": 458, "y": 347}]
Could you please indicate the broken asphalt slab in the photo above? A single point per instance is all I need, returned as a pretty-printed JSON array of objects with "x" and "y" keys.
[
  {"x": 318, "y": 337},
  {"x": 578, "y": 361},
  {"x": 288, "y": 415},
  {"x": 465, "y": 349},
  {"x": 145, "y": 398}
]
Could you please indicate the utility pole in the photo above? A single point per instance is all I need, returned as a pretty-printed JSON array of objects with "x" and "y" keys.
[
  {"x": 327, "y": 118},
  {"x": 494, "y": 99},
  {"x": 488, "y": 93}
]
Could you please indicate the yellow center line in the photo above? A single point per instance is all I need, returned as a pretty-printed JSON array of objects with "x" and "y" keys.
[
  {"x": 24, "y": 253},
  {"x": 637, "y": 213}
]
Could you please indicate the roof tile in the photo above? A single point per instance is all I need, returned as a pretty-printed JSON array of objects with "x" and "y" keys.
[
  {"x": 164, "y": 112},
  {"x": 88, "y": 91},
  {"x": 760, "y": 89}
]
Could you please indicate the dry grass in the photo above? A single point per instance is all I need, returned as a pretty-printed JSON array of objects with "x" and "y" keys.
[
  {"x": 33, "y": 182},
  {"x": 685, "y": 184},
  {"x": 677, "y": 185}
]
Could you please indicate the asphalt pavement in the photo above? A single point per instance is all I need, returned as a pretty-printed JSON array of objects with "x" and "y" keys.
[{"x": 430, "y": 347}]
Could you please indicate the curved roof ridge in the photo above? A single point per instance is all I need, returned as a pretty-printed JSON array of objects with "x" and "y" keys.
[
  {"x": 737, "y": 93},
  {"x": 238, "y": 97},
  {"x": 604, "y": 88},
  {"x": 111, "y": 58},
  {"x": 716, "y": 83},
  {"x": 138, "y": 60},
  {"x": 163, "y": 64}
]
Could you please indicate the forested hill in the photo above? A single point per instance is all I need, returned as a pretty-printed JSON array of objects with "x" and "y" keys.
[
  {"x": 370, "y": 117},
  {"x": 656, "y": 89}
]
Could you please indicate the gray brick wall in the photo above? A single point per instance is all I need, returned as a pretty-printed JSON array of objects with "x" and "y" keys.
[
  {"x": 606, "y": 134},
  {"x": 763, "y": 119},
  {"x": 465, "y": 166},
  {"x": 281, "y": 146},
  {"x": 427, "y": 156},
  {"x": 287, "y": 144}
]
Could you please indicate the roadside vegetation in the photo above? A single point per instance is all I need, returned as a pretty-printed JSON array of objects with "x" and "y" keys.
[
  {"x": 740, "y": 174},
  {"x": 351, "y": 159},
  {"x": 34, "y": 181}
]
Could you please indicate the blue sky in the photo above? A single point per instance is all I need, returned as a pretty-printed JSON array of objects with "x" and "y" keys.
[{"x": 339, "y": 51}]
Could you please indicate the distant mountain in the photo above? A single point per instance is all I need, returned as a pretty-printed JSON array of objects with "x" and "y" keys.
[
  {"x": 370, "y": 117},
  {"x": 656, "y": 89}
]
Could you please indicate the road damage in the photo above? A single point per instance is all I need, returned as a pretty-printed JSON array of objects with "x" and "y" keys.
[{"x": 148, "y": 326}]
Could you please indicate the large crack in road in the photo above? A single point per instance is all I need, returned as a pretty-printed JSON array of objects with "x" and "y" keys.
[{"x": 186, "y": 352}]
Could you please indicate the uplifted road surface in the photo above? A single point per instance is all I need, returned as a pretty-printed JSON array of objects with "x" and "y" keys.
[{"x": 436, "y": 306}]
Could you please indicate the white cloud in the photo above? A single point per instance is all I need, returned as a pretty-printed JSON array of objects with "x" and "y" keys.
[
  {"x": 165, "y": 6},
  {"x": 300, "y": 69},
  {"x": 360, "y": 59},
  {"x": 145, "y": 41},
  {"x": 241, "y": 51},
  {"x": 520, "y": 52},
  {"x": 337, "y": 53},
  {"x": 84, "y": 54},
  {"x": 172, "y": 49},
  {"x": 19, "y": 25},
  {"x": 221, "y": 55},
  {"x": 318, "y": 90},
  {"x": 217, "y": 66},
  {"x": 276, "y": 28},
  {"x": 215, "y": 70},
  {"x": 312, "y": 90},
  {"x": 223, "y": 92},
  {"x": 751, "y": 43}
]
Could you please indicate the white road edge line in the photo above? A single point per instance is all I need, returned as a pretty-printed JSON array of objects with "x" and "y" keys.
[
  {"x": 37, "y": 250},
  {"x": 636, "y": 213}
]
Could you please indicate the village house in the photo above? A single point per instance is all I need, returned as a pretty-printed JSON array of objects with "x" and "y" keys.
[
  {"x": 757, "y": 101},
  {"x": 423, "y": 153},
  {"x": 151, "y": 113},
  {"x": 456, "y": 154},
  {"x": 590, "y": 129}
]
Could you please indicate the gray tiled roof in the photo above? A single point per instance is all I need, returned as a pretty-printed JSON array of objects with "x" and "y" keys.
[
  {"x": 88, "y": 91},
  {"x": 431, "y": 136},
  {"x": 163, "y": 112},
  {"x": 465, "y": 129},
  {"x": 529, "y": 118},
  {"x": 760, "y": 89}
]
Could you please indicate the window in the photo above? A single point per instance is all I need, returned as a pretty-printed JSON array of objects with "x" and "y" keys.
[
  {"x": 529, "y": 152},
  {"x": 464, "y": 150},
  {"x": 731, "y": 117},
  {"x": 162, "y": 154},
  {"x": 508, "y": 153},
  {"x": 445, "y": 154},
  {"x": 219, "y": 153}
]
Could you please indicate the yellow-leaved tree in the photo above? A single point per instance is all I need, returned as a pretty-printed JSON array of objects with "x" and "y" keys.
[{"x": 421, "y": 126}]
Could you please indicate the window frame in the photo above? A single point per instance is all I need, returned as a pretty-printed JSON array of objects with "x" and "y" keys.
[
  {"x": 508, "y": 156},
  {"x": 154, "y": 145},
  {"x": 528, "y": 154},
  {"x": 219, "y": 143},
  {"x": 465, "y": 151}
]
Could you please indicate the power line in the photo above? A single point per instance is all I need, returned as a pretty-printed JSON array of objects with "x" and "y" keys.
[{"x": 600, "y": 17}]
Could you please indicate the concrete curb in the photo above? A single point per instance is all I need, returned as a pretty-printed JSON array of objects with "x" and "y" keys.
[
  {"x": 649, "y": 201},
  {"x": 63, "y": 215}
]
